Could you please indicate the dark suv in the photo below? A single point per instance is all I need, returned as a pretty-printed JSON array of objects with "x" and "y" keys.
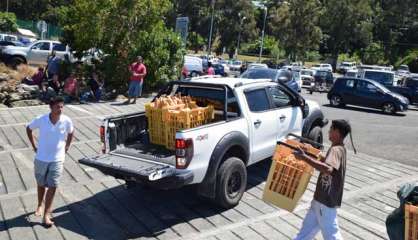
[{"x": 366, "y": 93}]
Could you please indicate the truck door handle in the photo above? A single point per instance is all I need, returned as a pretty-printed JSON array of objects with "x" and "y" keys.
[
  {"x": 257, "y": 123},
  {"x": 282, "y": 117}
]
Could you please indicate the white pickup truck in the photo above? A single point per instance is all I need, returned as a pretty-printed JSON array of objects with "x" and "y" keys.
[{"x": 250, "y": 117}]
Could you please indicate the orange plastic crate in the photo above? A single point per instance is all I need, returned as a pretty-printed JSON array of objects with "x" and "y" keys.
[
  {"x": 287, "y": 181},
  {"x": 184, "y": 119},
  {"x": 411, "y": 222}
]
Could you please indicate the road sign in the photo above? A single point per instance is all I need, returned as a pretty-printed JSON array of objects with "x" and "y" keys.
[
  {"x": 182, "y": 24},
  {"x": 42, "y": 26}
]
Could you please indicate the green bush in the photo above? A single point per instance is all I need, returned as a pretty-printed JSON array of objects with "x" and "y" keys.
[{"x": 8, "y": 22}]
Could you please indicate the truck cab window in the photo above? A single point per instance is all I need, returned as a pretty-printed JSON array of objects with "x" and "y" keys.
[
  {"x": 257, "y": 100},
  {"x": 279, "y": 97}
]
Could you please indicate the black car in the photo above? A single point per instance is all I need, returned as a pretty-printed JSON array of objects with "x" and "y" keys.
[
  {"x": 408, "y": 89},
  {"x": 366, "y": 93}
]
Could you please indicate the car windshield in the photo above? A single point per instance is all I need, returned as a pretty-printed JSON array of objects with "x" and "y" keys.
[
  {"x": 305, "y": 72},
  {"x": 260, "y": 74},
  {"x": 237, "y": 63},
  {"x": 346, "y": 64},
  {"x": 317, "y": 65},
  {"x": 381, "y": 87},
  {"x": 384, "y": 78}
]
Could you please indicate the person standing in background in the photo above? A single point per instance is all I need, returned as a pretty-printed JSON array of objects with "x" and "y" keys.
[{"x": 138, "y": 72}]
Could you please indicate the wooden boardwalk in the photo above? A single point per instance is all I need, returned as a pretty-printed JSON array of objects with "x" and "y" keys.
[{"x": 91, "y": 205}]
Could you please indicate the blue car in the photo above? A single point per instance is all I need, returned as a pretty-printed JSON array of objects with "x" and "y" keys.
[
  {"x": 278, "y": 75},
  {"x": 219, "y": 69},
  {"x": 366, "y": 93}
]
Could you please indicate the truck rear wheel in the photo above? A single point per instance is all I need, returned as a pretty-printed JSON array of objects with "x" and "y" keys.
[
  {"x": 316, "y": 135},
  {"x": 231, "y": 182}
]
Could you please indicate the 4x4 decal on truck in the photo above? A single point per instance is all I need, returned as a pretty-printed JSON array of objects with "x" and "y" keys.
[{"x": 202, "y": 137}]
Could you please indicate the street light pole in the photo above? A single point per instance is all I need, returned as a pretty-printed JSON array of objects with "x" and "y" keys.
[
  {"x": 7, "y": 6},
  {"x": 239, "y": 33},
  {"x": 262, "y": 34},
  {"x": 211, "y": 28}
]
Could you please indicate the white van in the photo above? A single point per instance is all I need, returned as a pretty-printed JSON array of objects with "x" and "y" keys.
[
  {"x": 7, "y": 37},
  {"x": 194, "y": 65}
]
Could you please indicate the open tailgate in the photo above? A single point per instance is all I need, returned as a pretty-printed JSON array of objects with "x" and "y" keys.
[{"x": 126, "y": 167}]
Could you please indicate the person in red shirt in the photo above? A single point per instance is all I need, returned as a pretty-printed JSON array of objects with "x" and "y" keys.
[{"x": 138, "y": 72}]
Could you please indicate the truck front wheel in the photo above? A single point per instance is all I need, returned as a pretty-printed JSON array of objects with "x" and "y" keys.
[{"x": 231, "y": 182}]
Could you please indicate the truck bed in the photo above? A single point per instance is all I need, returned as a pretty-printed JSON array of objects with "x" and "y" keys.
[{"x": 149, "y": 152}]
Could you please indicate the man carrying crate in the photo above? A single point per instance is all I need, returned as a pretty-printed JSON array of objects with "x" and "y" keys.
[{"x": 329, "y": 189}]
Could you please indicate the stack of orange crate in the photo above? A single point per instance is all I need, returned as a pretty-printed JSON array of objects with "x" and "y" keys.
[
  {"x": 288, "y": 176},
  {"x": 167, "y": 115},
  {"x": 411, "y": 222}
]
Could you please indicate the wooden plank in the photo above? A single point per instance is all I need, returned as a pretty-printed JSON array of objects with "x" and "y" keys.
[
  {"x": 12, "y": 138},
  {"x": 76, "y": 153},
  {"x": 246, "y": 211},
  {"x": 154, "y": 225},
  {"x": 11, "y": 176},
  {"x": 65, "y": 220},
  {"x": 16, "y": 219},
  {"x": 119, "y": 214},
  {"x": 283, "y": 227},
  {"x": 21, "y": 131},
  {"x": 245, "y": 232},
  {"x": 358, "y": 231},
  {"x": 90, "y": 128},
  {"x": 228, "y": 235},
  {"x": 25, "y": 169},
  {"x": 90, "y": 214},
  {"x": 155, "y": 201},
  {"x": 266, "y": 231},
  {"x": 30, "y": 204},
  {"x": 4, "y": 235}
]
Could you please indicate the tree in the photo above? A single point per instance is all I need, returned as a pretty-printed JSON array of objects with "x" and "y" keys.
[
  {"x": 195, "y": 41},
  {"x": 295, "y": 24},
  {"x": 8, "y": 22},
  {"x": 396, "y": 27},
  {"x": 346, "y": 25},
  {"x": 230, "y": 15},
  {"x": 124, "y": 29}
]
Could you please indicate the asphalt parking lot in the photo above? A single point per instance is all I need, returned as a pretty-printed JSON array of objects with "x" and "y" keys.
[{"x": 391, "y": 137}]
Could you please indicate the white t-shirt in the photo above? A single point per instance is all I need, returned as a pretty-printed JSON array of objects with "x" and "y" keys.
[{"x": 52, "y": 138}]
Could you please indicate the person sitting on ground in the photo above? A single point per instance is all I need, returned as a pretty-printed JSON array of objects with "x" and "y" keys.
[
  {"x": 95, "y": 86},
  {"x": 71, "y": 89},
  {"x": 36, "y": 79}
]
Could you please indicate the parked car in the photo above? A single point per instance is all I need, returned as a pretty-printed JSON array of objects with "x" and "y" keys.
[
  {"x": 374, "y": 67},
  {"x": 408, "y": 88},
  {"x": 8, "y": 37},
  {"x": 366, "y": 93},
  {"x": 383, "y": 77},
  {"x": 322, "y": 67},
  {"x": 257, "y": 65},
  {"x": 34, "y": 54},
  {"x": 294, "y": 66},
  {"x": 346, "y": 66},
  {"x": 351, "y": 73},
  {"x": 225, "y": 64},
  {"x": 298, "y": 79},
  {"x": 194, "y": 65},
  {"x": 219, "y": 69},
  {"x": 250, "y": 117},
  {"x": 402, "y": 72},
  {"x": 277, "y": 75},
  {"x": 307, "y": 76},
  {"x": 3, "y": 44},
  {"x": 235, "y": 66}
]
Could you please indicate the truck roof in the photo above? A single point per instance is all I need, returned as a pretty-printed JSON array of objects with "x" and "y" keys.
[{"x": 230, "y": 82}]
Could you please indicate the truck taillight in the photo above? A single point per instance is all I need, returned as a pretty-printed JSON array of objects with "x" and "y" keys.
[
  {"x": 184, "y": 153},
  {"x": 102, "y": 138}
]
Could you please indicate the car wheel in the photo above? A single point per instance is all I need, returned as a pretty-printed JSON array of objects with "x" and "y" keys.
[
  {"x": 316, "y": 135},
  {"x": 16, "y": 61},
  {"x": 389, "y": 108},
  {"x": 336, "y": 101},
  {"x": 231, "y": 182}
]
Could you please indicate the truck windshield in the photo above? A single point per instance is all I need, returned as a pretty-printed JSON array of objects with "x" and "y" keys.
[{"x": 384, "y": 78}]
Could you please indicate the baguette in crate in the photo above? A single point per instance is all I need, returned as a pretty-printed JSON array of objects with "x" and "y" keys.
[
  {"x": 167, "y": 115},
  {"x": 288, "y": 177},
  {"x": 411, "y": 222}
]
